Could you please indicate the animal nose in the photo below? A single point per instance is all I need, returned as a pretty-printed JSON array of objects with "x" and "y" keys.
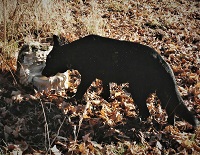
[
  {"x": 44, "y": 72},
  {"x": 48, "y": 72}
]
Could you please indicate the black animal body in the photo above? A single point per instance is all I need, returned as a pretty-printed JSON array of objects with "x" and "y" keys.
[{"x": 120, "y": 61}]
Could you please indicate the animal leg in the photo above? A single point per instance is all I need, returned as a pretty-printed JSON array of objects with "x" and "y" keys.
[
  {"x": 106, "y": 91},
  {"x": 82, "y": 88},
  {"x": 167, "y": 103},
  {"x": 171, "y": 116},
  {"x": 143, "y": 110}
]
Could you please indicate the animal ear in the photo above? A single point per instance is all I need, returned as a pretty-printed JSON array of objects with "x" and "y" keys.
[{"x": 56, "y": 40}]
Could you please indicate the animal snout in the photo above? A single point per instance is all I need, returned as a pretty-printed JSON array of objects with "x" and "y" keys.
[{"x": 45, "y": 73}]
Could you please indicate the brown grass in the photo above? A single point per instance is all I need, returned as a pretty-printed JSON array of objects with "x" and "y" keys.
[{"x": 22, "y": 20}]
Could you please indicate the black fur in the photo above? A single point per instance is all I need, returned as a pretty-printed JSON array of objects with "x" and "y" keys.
[{"x": 120, "y": 61}]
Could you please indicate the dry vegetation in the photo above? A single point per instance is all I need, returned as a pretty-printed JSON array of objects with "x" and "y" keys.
[{"x": 35, "y": 123}]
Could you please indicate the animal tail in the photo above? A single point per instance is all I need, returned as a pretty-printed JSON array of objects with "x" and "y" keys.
[
  {"x": 172, "y": 99},
  {"x": 182, "y": 111}
]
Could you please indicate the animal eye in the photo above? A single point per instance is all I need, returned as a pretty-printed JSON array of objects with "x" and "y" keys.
[{"x": 35, "y": 49}]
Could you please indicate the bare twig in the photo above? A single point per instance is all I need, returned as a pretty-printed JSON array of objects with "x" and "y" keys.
[
  {"x": 81, "y": 119},
  {"x": 4, "y": 17},
  {"x": 47, "y": 137},
  {"x": 57, "y": 134}
]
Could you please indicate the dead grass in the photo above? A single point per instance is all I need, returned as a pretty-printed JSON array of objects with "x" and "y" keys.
[{"x": 26, "y": 19}]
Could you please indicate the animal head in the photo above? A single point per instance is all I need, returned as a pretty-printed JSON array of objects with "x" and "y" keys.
[{"x": 54, "y": 60}]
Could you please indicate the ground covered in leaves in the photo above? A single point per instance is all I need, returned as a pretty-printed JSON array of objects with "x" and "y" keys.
[
  {"x": 47, "y": 123},
  {"x": 41, "y": 122}
]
